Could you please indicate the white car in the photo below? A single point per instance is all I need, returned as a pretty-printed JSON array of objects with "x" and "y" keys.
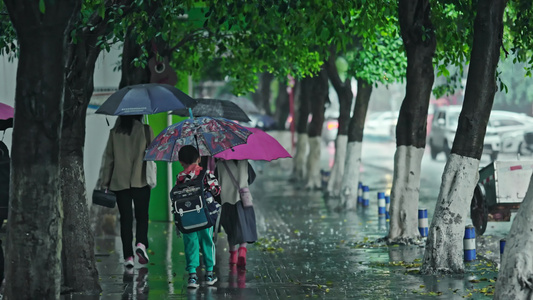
[
  {"x": 511, "y": 128},
  {"x": 381, "y": 124},
  {"x": 443, "y": 130}
]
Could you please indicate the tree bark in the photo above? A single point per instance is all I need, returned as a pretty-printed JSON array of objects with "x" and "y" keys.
[
  {"x": 130, "y": 73},
  {"x": 350, "y": 180},
  {"x": 301, "y": 119},
  {"x": 36, "y": 210},
  {"x": 261, "y": 97},
  {"x": 79, "y": 269},
  {"x": 282, "y": 105},
  {"x": 515, "y": 268},
  {"x": 318, "y": 100},
  {"x": 345, "y": 95},
  {"x": 419, "y": 42},
  {"x": 444, "y": 245}
]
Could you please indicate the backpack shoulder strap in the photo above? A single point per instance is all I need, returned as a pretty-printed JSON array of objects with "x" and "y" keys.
[{"x": 235, "y": 183}]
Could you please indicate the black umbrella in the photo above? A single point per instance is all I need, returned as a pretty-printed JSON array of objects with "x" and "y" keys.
[
  {"x": 145, "y": 99},
  {"x": 215, "y": 108}
]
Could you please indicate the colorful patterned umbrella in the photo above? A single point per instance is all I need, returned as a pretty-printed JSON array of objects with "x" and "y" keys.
[{"x": 210, "y": 135}]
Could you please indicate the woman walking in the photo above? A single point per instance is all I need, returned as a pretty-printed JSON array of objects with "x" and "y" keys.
[
  {"x": 124, "y": 173},
  {"x": 238, "y": 215}
]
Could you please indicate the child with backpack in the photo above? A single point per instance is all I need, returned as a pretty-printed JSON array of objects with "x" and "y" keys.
[{"x": 189, "y": 158}]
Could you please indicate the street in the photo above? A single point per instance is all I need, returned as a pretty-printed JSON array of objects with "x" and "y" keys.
[{"x": 306, "y": 248}]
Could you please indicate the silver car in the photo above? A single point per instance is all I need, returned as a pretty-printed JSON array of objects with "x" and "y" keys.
[
  {"x": 511, "y": 128},
  {"x": 443, "y": 131}
]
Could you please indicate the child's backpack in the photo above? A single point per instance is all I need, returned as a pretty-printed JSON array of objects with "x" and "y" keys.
[{"x": 189, "y": 205}]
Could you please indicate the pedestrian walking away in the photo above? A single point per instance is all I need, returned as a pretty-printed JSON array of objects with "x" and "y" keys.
[
  {"x": 202, "y": 239},
  {"x": 124, "y": 172},
  {"x": 5, "y": 168},
  {"x": 238, "y": 215}
]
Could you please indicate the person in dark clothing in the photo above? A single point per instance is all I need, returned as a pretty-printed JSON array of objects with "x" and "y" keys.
[
  {"x": 5, "y": 168},
  {"x": 124, "y": 173}
]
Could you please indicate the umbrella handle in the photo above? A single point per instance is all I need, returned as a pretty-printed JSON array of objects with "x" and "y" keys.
[{"x": 190, "y": 113}]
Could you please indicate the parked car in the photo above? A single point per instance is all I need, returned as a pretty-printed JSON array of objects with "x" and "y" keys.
[
  {"x": 443, "y": 131},
  {"x": 511, "y": 128},
  {"x": 526, "y": 144},
  {"x": 378, "y": 124},
  {"x": 381, "y": 124}
]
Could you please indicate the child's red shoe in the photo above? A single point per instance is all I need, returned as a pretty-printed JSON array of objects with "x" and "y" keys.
[
  {"x": 233, "y": 257},
  {"x": 241, "y": 261}
]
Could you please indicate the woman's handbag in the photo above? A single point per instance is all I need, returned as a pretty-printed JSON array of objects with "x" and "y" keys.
[
  {"x": 104, "y": 198},
  {"x": 245, "y": 195},
  {"x": 151, "y": 168}
]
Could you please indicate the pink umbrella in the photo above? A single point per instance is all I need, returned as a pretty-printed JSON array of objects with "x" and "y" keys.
[
  {"x": 6, "y": 116},
  {"x": 260, "y": 146},
  {"x": 6, "y": 111}
]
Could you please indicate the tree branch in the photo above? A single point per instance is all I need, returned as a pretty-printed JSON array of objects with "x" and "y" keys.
[{"x": 331, "y": 68}]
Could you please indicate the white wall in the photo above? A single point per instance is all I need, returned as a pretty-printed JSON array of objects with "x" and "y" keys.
[
  {"x": 97, "y": 130},
  {"x": 8, "y": 74}
]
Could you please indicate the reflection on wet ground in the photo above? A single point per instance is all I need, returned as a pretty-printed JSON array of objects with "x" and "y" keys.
[{"x": 307, "y": 249}]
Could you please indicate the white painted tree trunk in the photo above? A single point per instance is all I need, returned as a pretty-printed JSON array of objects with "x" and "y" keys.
[
  {"x": 337, "y": 172},
  {"x": 314, "y": 178},
  {"x": 444, "y": 246},
  {"x": 405, "y": 194},
  {"x": 515, "y": 279},
  {"x": 350, "y": 180},
  {"x": 299, "y": 170}
]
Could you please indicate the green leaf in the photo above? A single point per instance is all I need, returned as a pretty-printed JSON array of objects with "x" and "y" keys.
[{"x": 41, "y": 6}]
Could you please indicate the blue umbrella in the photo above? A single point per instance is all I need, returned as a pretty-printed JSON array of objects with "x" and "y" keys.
[{"x": 145, "y": 99}]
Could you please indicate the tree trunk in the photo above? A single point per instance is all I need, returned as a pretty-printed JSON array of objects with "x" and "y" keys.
[
  {"x": 345, "y": 95},
  {"x": 419, "y": 42},
  {"x": 261, "y": 97},
  {"x": 350, "y": 180},
  {"x": 282, "y": 105},
  {"x": 319, "y": 96},
  {"x": 445, "y": 239},
  {"x": 130, "y": 73},
  {"x": 299, "y": 170},
  {"x": 79, "y": 268},
  {"x": 514, "y": 278},
  {"x": 36, "y": 210}
]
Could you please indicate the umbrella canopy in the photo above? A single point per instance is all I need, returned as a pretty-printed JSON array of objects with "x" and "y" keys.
[
  {"x": 215, "y": 108},
  {"x": 6, "y": 116},
  {"x": 145, "y": 99},
  {"x": 260, "y": 146},
  {"x": 210, "y": 135},
  {"x": 246, "y": 105}
]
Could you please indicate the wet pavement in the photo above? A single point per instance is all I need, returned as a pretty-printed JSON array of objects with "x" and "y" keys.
[{"x": 307, "y": 249}]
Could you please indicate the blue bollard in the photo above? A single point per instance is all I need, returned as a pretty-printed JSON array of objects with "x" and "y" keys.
[
  {"x": 324, "y": 179},
  {"x": 366, "y": 199},
  {"x": 381, "y": 204},
  {"x": 502, "y": 247},
  {"x": 469, "y": 243},
  {"x": 387, "y": 207},
  {"x": 360, "y": 193},
  {"x": 423, "y": 222}
]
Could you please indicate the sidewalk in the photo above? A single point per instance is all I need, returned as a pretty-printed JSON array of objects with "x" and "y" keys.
[{"x": 306, "y": 250}]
